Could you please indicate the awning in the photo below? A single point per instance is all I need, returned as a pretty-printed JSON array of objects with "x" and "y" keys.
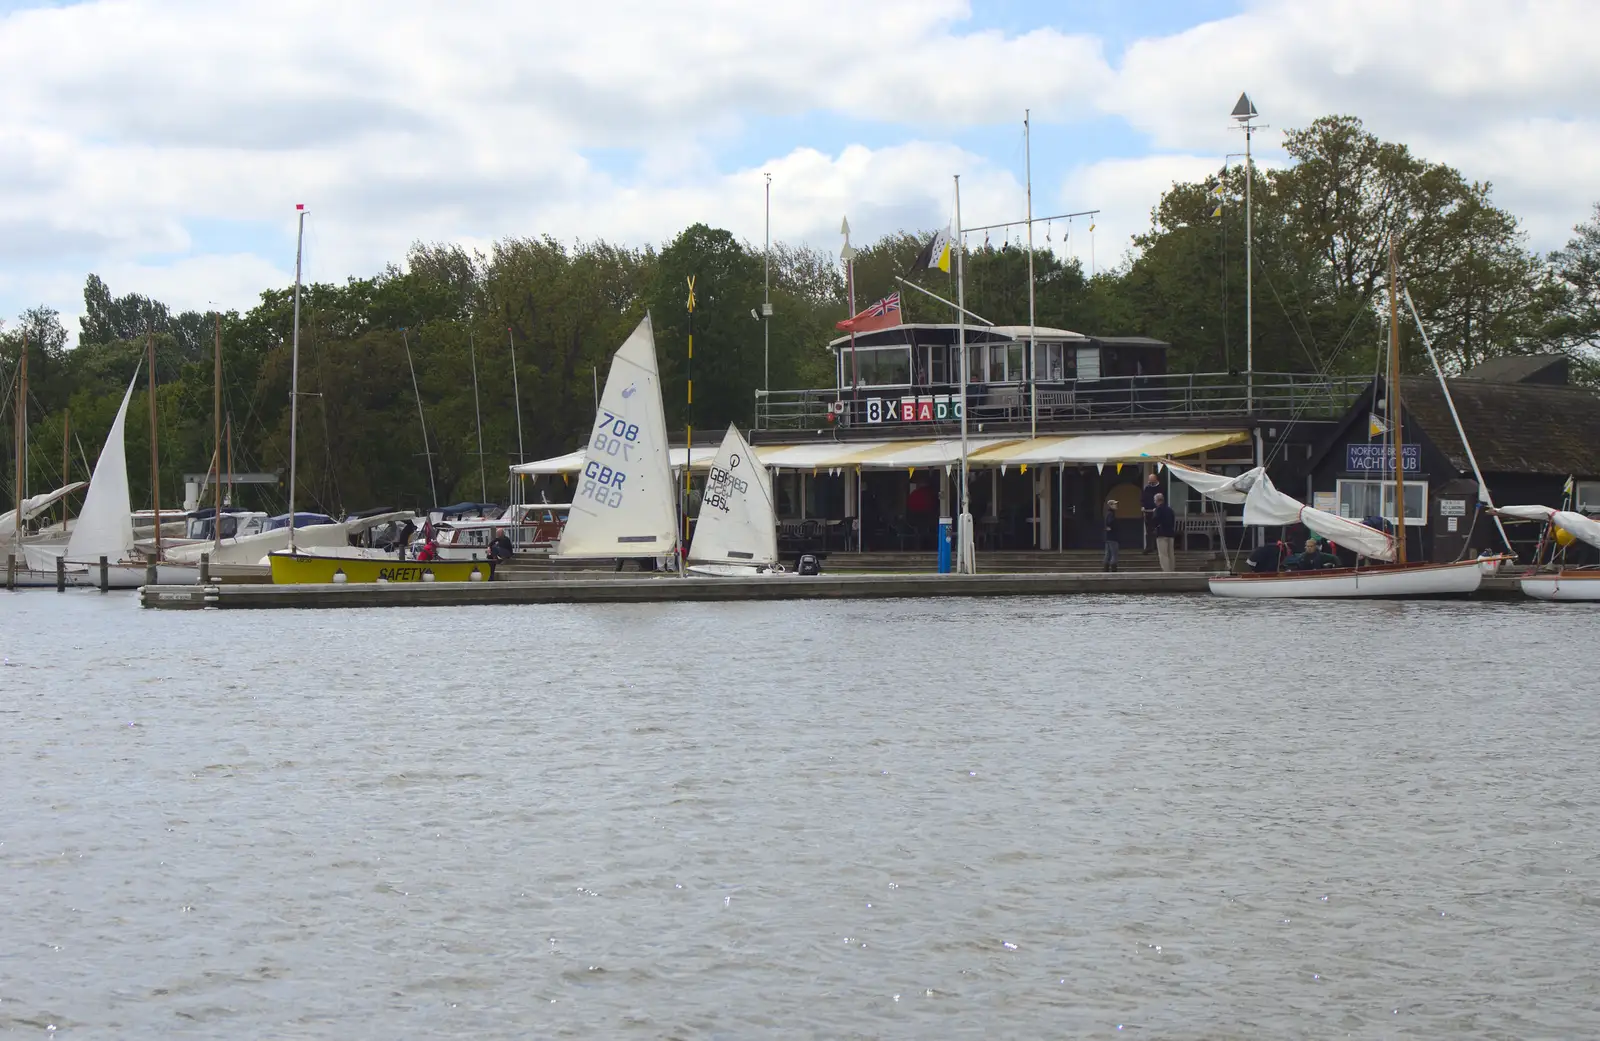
[
  {"x": 946, "y": 451},
  {"x": 572, "y": 462}
]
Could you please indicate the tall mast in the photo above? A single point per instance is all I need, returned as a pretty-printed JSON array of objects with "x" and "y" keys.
[
  {"x": 483, "y": 480},
  {"x": 1033, "y": 350},
  {"x": 1395, "y": 421},
  {"x": 516, "y": 393},
  {"x": 216, "y": 418},
  {"x": 294, "y": 374},
  {"x": 766, "y": 296},
  {"x": 433, "y": 489},
  {"x": 66, "y": 465},
  {"x": 20, "y": 418},
  {"x": 964, "y": 556},
  {"x": 155, "y": 451}
]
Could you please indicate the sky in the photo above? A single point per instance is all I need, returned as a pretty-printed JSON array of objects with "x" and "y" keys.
[{"x": 164, "y": 145}]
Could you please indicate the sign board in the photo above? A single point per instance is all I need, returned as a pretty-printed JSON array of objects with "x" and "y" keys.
[
  {"x": 1379, "y": 458},
  {"x": 933, "y": 408},
  {"x": 1452, "y": 523},
  {"x": 1327, "y": 502},
  {"x": 1452, "y": 508}
]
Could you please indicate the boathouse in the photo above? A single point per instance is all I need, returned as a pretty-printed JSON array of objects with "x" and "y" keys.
[
  {"x": 1058, "y": 423},
  {"x": 1530, "y": 429}
]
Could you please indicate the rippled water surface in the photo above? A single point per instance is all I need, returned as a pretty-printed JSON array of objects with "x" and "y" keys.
[{"x": 1084, "y": 817}]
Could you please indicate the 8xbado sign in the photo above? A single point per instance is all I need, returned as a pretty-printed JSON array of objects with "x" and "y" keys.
[{"x": 940, "y": 408}]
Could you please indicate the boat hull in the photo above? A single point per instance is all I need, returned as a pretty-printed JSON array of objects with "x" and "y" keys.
[
  {"x": 118, "y": 576},
  {"x": 314, "y": 569},
  {"x": 1564, "y": 585},
  {"x": 1403, "y": 580},
  {"x": 737, "y": 571}
]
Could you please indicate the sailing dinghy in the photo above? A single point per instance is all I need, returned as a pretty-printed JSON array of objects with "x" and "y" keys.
[
  {"x": 736, "y": 533},
  {"x": 1564, "y": 583},
  {"x": 624, "y": 504}
]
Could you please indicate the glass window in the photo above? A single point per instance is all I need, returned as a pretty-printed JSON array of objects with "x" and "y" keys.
[
  {"x": 1088, "y": 363},
  {"x": 1587, "y": 497},
  {"x": 1361, "y": 499},
  {"x": 1014, "y": 362},
  {"x": 1050, "y": 361},
  {"x": 976, "y": 363},
  {"x": 997, "y": 363},
  {"x": 880, "y": 367}
]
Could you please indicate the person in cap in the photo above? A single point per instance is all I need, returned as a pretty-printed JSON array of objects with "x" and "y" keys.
[{"x": 1109, "y": 563}]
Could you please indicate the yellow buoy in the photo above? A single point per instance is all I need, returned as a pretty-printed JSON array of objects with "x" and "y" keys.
[{"x": 1565, "y": 538}]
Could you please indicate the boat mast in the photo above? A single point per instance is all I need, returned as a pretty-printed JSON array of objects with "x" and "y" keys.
[
  {"x": 965, "y": 564},
  {"x": 1032, "y": 362},
  {"x": 1394, "y": 415},
  {"x": 66, "y": 465},
  {"x": 294, "y": 371},
  {"x": 422, "y": 421},
  {"x": 20, "y": 418},
  {"x": 216, "y": 416},
  {"x": 155, "y": 450},
  {"x": 477, "y": 411},
  {"x": 516, "y": 393}
]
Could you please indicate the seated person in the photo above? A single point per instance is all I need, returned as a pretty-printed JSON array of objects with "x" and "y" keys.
[
  {"x": 1314, "y": 558},
  {"x": 428, "y": 552},
  {"x": 1268, "y": 558},
  {"x": 500, "y": 548}
]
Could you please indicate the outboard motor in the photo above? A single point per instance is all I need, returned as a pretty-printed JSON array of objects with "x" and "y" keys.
[{"x": 808, "y": 564}]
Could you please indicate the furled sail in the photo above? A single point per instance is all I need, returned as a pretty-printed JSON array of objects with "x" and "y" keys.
[
  {"x": 33, "y": 506},
  {"x": 104, "y": 527},
  {"x": 737, "y": 523},
  {"x": 1264, "y": 504},
  {"x": 623, "y": 504},
  {"x": 1576, "y": 524}
]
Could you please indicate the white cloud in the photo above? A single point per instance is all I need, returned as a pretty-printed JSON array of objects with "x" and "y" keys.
[{"x": 134, "y": 127}]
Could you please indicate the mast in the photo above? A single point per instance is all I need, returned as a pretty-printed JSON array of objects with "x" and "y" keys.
[
  {"x": 688, "y": 451},
  {"x": 516, "y": 393},
  {"x": 66, "y": 465},
  {"x": 1394, "y": 415},
  {"x": 766, "y": 296},
  {"x": 20, "y": 418},
  {"x": 1032, "y": 363},
  {"x": 964, "y": 556},
  {"x": 216, "y": 418},
  {"x": 228, "y": 431},
  {"x": 433, "y": 489},
  {"x": 294, "y": 375},
  {"x": 483, "y": 480},
  {"x": 155, "y": 452}
]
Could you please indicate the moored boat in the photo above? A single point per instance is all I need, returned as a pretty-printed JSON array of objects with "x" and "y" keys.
[
  {"x": 1565, "y": 583},
  {"x": 290, "y": 567},
  {"x": 736, "y": 533},
  {"x": 1458, "y": 578}
]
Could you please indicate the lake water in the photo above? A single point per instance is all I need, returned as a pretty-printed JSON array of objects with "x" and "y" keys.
[{"x": 1074, "y": 817}]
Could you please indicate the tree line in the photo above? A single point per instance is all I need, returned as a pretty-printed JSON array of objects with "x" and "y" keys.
[{"x": 1322, "y": 226}]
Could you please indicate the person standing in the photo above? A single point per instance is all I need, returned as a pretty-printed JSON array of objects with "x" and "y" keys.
[
  {"x": 1147, "y": 504},
  {"x": 1110, "y": 561},
  {"x": 1165, "y": 524}
]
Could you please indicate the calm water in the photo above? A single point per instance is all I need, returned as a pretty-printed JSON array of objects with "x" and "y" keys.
[{"x": 1174, "y": 818}]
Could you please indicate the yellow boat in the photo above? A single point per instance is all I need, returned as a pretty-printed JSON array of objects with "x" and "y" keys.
[{"x": 308, "y": 569}]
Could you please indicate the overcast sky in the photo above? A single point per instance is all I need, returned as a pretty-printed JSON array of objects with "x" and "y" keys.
[{"x": 163, "y": 145}]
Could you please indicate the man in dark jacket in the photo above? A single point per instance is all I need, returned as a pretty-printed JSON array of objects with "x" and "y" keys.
[
  {"x": 1166, "y": 529},
  {"x": 1110, "y": 561}
]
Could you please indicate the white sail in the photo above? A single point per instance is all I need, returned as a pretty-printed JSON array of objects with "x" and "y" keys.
[
  {"x": 623, "y": 504},
  {"x": 1265, "y": 505},
  {"x": 1575, "y": 524},
  {"x": 104, "y": 528},
  {"x": 737, "y": 523},
  {"x": 1216, "y": 486}
]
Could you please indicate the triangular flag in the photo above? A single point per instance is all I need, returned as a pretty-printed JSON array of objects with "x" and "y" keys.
[
  {"x": 1119, "y": 468},
  {"x": 1023, "y": 468},
  {"x": 1376, "y": 426}
]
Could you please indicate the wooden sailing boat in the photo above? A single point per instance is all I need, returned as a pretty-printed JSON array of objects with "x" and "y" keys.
[
  {"x": 1392, "y": 576},
  {"x": 300, "y": 565}
]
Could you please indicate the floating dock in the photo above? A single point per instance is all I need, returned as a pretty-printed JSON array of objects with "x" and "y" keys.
[{"x": 669, "y": 588}]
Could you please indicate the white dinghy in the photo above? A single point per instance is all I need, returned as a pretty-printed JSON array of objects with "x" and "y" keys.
[
  {"x": 624, "y": 505},
  {"x": 736, "y": 533},
  {"x": 1564, "y": 583}
]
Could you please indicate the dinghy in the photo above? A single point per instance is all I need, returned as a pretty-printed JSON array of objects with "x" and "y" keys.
[
  {"x": 736, "y": 533},
  {"x": 1563, "y": 583}
]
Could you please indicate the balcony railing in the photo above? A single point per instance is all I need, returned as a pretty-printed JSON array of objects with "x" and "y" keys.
[{"x": 1186, "y": 396}]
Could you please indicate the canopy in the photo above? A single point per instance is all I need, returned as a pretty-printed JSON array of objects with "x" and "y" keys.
[{"x": 986, "y": 451}]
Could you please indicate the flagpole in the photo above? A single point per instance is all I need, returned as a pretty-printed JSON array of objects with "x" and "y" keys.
[
  {"x": 516, "y": 393},
  {"x": 1033, "y": 362},
  {"x": 849, "y": 256},
  {"x": 688, "y": 429},
  {"x": 766, "y": 296},
  {"x": 965, "y": 563}
]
